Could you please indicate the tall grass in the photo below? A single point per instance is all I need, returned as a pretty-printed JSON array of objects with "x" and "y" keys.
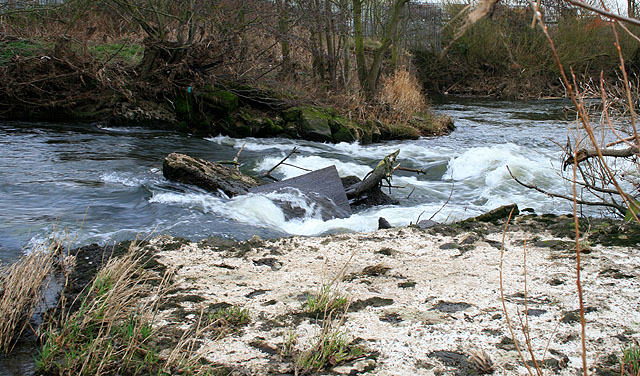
[
  {"x": 111, "y": 332},
  {"x": 22, "y": 286},
  {"x": 402, "y": 92}
]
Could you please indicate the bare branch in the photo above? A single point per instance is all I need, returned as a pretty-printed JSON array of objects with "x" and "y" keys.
[
  {"x": 621, "y": 209},
  {"x": 605, "y": 13},
  {"x": 268, "y": 173},
  {"x": 584, "y": 154}
]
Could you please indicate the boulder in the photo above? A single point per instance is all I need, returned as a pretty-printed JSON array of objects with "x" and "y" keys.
[
  {"x": 314, "y": 126},
  {"x": 207, "y": 175}
]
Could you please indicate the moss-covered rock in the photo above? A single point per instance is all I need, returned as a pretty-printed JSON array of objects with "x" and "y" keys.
[
  {"x": 224, "y": 99},
  {"x": 343, "y": 130},
  {"x": 312, "y": 122}
]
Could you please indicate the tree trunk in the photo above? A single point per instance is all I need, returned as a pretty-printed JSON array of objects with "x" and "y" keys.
[
  {"x": 361, "y": 61},
  {"x": 369, "y": 78},
  {"x": 283, "y": 35}
]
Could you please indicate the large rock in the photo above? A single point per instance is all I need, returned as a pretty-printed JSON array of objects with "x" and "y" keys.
[
  {"x": 312, "y": 122},
  {"x": 207, "y": 175},
  {"x": 315, "y": 126}
]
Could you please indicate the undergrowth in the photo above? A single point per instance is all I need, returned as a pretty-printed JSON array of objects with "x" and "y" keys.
[
  {"x": 111, "y": 332},
  {"x": 22, "y": 286}
]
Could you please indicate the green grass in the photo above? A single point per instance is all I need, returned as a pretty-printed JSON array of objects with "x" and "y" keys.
[
  {"x": 24, "y": 48},
  {"x": 631, "y": 360},
  {"x": 128, "y": 53},
  {"x": 325, "y": 302}
]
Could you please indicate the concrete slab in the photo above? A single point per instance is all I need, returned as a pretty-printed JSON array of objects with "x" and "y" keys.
[{"x": 320, "y": 185}]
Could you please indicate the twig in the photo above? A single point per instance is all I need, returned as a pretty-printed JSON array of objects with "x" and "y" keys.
[
  {"x": 445, "y": 203},
  {"x": 525, "y": 328},
  {"x": 298, "y": 167},
  {"x": 605, "y": 13},
  {"x": 235, "y": 160},
  {"x": 620, "y": 208},
  {"x": 410, "y": 193},
  {"x": 417, "y": 171},
  {"x": 503, "y": 299},
  {"x": 268, "y": 173}
]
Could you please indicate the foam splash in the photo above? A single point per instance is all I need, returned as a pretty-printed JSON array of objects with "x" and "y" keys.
[
  {"x": 119, "y": 178},
  {"x": 312, "y": 162}
]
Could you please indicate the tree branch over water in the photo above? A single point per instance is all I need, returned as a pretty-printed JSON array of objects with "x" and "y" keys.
[{"x": 619, "y": 208}]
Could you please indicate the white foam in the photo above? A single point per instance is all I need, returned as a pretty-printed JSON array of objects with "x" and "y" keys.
[
  {"x": 312, "y": 162},
  {"x": 120, "y": 178}
]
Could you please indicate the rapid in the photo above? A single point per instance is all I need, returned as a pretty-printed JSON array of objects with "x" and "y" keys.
[{"x": 98, "y": 184}]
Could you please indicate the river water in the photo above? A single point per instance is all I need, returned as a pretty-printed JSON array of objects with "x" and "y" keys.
[{"x": 102, "y": 184}]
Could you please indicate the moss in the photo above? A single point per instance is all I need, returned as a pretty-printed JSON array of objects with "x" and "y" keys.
[
  {"x": 225, "y": 99},
  {"x": 184, "y": 108},
  {"x": 344, "y": 135}
]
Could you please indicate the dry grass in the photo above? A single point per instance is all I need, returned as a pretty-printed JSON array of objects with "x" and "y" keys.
[
  {"x": 22, "y": 286},
  {"x": 402, "y": 93},
  {"x": 111, "y": 332}
]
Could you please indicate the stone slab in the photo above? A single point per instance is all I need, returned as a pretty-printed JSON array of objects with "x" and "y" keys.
[{"x": 324, "y": 183}]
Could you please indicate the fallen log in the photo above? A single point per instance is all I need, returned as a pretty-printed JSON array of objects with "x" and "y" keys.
[{"x": 207, "y": 175}]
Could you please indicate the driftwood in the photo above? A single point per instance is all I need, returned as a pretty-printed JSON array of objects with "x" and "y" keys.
[
  {"x": 207, "y": 175},
  {"x": 383, "y": 171}
]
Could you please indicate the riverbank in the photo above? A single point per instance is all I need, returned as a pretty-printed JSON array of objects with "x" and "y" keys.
[
  {"x": 401, "y": 301},
  {"x": 67, "y": 80}
]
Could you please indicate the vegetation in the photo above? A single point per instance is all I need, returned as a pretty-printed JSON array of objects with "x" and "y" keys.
[
  {"x": 330, "y": 349},
  {"x": 177, "y": 63},
  {"x": 326, "y": 302},
  {"x": 630, "y": 360},
  {"x": 226, "y": 320},
  {"x": 502, "y": 55},
  {"x": 22, "y": 286},
  {"x": 110, "y": 333}
]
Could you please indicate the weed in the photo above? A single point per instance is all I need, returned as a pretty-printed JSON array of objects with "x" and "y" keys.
[
  {"x": 630, "y": 361},
  {"x": 229, "y": 319},
  {"x": 330, "y": 350},
  {"x": 325, "y": 302},
  {"x": 288, "y": 346}
]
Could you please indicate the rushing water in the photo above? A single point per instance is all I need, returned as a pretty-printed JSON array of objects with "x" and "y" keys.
[{"x": 102, "y": 184}]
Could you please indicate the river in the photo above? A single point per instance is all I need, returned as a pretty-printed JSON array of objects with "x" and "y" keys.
[{"x": 102, "y": 184}]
